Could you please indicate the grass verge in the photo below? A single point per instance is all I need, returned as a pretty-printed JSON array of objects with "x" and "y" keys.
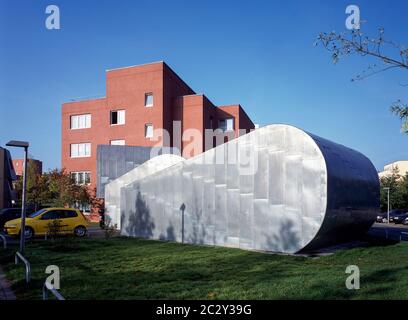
[{"x": 128, "y": 268}]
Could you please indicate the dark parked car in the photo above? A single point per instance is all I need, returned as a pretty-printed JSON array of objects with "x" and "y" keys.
[
  {"x": 382, "y": 217},
  {"x": 8, "y": 214},
  {"x": 396, "y": 212},
  {"x": 400, "y": 218}
]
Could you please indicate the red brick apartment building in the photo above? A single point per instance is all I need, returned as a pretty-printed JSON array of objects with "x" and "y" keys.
[{"x": 138, "y": 100}]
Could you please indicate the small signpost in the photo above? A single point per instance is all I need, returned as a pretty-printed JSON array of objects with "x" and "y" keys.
[{"x": 182, "y": 208}]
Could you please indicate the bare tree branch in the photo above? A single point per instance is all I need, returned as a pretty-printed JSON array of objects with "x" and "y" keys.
[{"x": 355, "y": 42}]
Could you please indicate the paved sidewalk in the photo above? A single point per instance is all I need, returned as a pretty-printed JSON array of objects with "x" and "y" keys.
[{"x": 5, "y": 291}]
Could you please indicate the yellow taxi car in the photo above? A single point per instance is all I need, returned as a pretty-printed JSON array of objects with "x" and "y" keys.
[{"x": 71, "y": 221}]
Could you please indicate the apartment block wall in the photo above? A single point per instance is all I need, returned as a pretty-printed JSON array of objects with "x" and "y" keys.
[
  {"x": 173, "y": 87},
  {"x": 126, "y": 89},
  {"x": 173, "y": 100},
  {"x": 189, "y": 111},
  {"x": 99, "y": 133}
]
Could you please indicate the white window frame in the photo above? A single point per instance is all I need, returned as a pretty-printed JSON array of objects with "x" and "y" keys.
[
  {"x": 147, "y": 125},
  {"x": 76, "y": 120},
  {"x": 149, "y": 94},
  {"x": 84, "y": 207},
  {"x": 231, "y": 122},
  {"x": 75, "y": 175},
  {"x": 80, "y": 150},
  {"x": 118, "y": 142},
  {"x": 121, "y": 117}
]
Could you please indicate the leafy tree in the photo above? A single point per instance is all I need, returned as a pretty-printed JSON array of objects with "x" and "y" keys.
[
  {"x": 387, "y": 53},
  {"x": 398, "y": 191},
  {"x": 55, "y": 188},
  {"x": 54, "y": 229},
  {"x": 403, "y": 189},
  {"x": 36, "y": 186},
  {"x": 390, "y": 181}
]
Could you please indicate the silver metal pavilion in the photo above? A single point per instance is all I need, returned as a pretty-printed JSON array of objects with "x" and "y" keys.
[{"x": 276, "y": 189}]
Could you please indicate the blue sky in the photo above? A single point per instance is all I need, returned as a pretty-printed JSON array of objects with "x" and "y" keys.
[{"x": 256, "y": 53}]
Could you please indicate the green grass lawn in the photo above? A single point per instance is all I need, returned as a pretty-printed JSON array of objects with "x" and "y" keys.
[{"x": 126, "y": 268}]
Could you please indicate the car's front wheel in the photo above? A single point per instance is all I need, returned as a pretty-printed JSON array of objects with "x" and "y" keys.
[{"x": 80, "y": 231}]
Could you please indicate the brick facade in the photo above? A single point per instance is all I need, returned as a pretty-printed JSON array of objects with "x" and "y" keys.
[{"x": 127, "y": 89}]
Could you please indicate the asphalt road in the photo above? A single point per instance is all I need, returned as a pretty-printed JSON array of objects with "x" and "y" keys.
[
  {"x": 396, "y": 232},
  {"x": 389, "y": 231}
]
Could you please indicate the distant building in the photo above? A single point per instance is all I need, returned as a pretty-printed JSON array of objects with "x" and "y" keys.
[
  {"x": 7, "y": 176},
  {"x": 18, "y": 165},
  {"x": 401, "y": 165}
]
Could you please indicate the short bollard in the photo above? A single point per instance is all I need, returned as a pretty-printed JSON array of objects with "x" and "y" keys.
[
  {"x": 4, "y": 241},
  {"x": 27, "y": 265},
  {"x": 49, "y": 287}
]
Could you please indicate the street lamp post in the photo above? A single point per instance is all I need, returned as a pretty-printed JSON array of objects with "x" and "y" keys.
[
  {"x": 388, "y": 204},
  {"x": 182, "y": 208},
  {"x": 22, "y": 144}
]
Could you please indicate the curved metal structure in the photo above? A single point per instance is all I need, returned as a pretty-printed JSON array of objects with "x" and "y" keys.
[{"x": 277, "y": 189}]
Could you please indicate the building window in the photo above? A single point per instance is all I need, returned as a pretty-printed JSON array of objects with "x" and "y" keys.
[
  {"x": 81, "y": 177},
  {"x": 84, "y": 207},
  {"x": 226, "y": 124},
  {"x": 117, "y": 142},
  {"x": 149, "y": 100},
  {"x": 81, "y": 121},
  {"x": 149, "y": 130},
  {"x": 80, "y": 150},
  {"x": 117, "y": 117}
]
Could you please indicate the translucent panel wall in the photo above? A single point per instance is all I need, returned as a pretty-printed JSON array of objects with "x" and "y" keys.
[
  {"x": 277, "y": 189},
  {"x": 113, "y": 189}
]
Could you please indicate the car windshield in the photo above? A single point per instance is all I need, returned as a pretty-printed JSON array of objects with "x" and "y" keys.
[{"x": 37, "y": 213}]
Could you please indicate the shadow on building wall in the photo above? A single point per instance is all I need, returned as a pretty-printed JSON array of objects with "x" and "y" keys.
[
  {"x": 198, "y": 233},
  {"x": 287, "y": 238},
  {"x": 170, "y": 234},
  {"x": 140, "y": 223}
]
